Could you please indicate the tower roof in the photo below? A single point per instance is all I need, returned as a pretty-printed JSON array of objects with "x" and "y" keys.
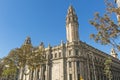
[
  {"x": 113, "y": 51},
  {"x": 71, "y": 15},
  {"x": 27, "y": 40},
  {"x": 71, "y": 10}
]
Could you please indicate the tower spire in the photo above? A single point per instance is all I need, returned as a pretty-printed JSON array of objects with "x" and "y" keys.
[
  {"x": 113, "y": 53},
  {"x": 72, "y": 25},
  {"x": 71, "y": 15},
  {"x": 27, "y": 41}
]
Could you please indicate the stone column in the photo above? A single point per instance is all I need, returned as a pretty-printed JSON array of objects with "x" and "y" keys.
[
  {"x": 42, "y": 73},
  {"x": 20, "y": 74},
  {"x": 68, "y": 71},
  {"x": 76, "y": 72},
  {"x": 88, "y": 69},
  {"x": 86, "y": 75},
  {"x": 82, "y": 70},
  {"x": 48, "y": 72},
  {"x": 30, "y": 75}
]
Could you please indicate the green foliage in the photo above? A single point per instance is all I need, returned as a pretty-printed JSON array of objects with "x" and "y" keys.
[
  {"x": 1, "y": 67},
  {"x": 9, "y": 71},
  {"x": 25, "y": 55},
  {"x": 108, "y": 32},
  {"x": 107, "y": 68}
]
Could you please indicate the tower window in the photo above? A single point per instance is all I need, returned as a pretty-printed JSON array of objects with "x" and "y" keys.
[
  {"x": 70, "y": 64},
  {"x": 69, "y": 52},
  {"x": 70, "y": 76}
]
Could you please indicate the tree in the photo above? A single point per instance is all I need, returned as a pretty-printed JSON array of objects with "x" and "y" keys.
[
  {"x": 9, "y": 72},
  {"x": 11, "y": 67},
  {"x": 37, "y": 60},
  {"x": 107, "y": 68},
  {"x": 25, "y": 59},
  {"x": 1, "y": 67},
  {"x": 108, "y": 31}
]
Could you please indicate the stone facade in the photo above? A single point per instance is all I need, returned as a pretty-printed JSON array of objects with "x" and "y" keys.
[
  {"x": 117, "y": 2},
  {"x": 74, "y": 59},
  {"x": 118, "y": 5}
]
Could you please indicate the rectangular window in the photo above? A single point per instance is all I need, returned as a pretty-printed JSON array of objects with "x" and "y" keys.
[
  {"x": 51, "y": 56},
  {"x": 55, "y": 55},
  {"x": 78, "y": 76},
  {"x": 59, "y": 54},
  {"x": 69, "y": 52},
  {"x": 70, "y": 76},
  {"x": 76, "y": 52},
  {"x": 70, "y": 65},
  {"x": 78, "y": 64}
]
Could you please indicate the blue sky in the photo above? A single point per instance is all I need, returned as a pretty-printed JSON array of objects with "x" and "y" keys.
[{"x": 44, "y": 20}]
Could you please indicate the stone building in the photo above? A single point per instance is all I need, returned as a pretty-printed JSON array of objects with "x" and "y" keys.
[
  {"x": 117, "y": 2},
  {"x": 74, "y": 59},
  {"x": 118, "y": 5}
]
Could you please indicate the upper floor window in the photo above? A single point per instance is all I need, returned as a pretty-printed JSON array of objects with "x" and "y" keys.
[
  {"x": 78, "y": 64},
  {"x": 59, "y": 54},
  {"x": 69, "y": 52},
  {"x": 55, "y": 55},
  {"x": 70, "y": 76},
  {"x": 76, "y": 52},
  {"x": 70, "y": 64}
]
